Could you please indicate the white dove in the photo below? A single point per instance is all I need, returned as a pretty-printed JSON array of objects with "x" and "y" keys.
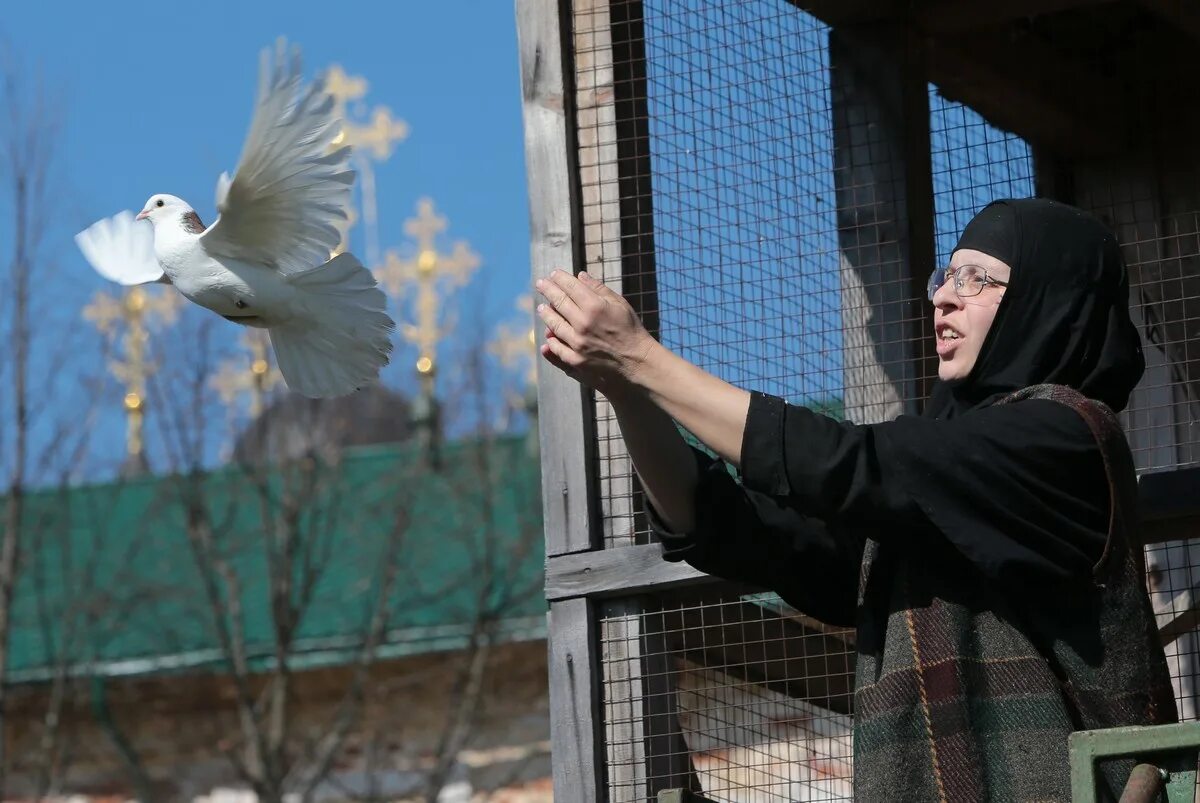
[{"x": 265, "y": 261}]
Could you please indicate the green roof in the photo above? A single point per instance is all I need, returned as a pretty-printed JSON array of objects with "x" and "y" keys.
[{"x": 113, "y": 581}]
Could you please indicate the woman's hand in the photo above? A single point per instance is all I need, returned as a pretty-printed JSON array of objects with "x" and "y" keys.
[{"x": 592, "y": 333}]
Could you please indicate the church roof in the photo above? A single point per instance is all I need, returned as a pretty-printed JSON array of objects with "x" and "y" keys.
[{"x": 118, "y": 579}]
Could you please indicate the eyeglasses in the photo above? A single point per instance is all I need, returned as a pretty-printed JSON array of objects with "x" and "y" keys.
[{"x": 969, "y": 280}]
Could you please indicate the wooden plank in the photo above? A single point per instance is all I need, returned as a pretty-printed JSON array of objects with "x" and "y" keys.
[
  {"x": 879, "y": 305},
  {"x": 565, "y": 425},
  {"x": 918, "y": 203},
  {"x": 1002, "y": 76},
  {"x": 1182, "y": 14},
  {"x": 1178, "y": 616},
  {"x": 624, "y": 717},
  {"x": 668, "y": 759},
  {"x": 600, "y": 188},
  {"x": 1171, "y": 495},
  {"x": 955, "y": 16},
  {"x": 575, "y": 722},
  {"x": 853, "y": 12},
  {"x": 620, "y": 570},
  {"x": 639, "y": 277}
]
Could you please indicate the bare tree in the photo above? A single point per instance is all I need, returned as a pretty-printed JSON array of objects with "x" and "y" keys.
[
  {"x": 264, "y": 532},
  {"x": 497, "y": 559},
  {"x": 39, "y": 444}
]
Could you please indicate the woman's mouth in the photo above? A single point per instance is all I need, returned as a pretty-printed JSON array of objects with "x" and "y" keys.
[{"x": 948, "y": 339}]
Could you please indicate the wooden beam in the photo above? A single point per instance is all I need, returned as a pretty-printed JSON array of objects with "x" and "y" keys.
[
  {"x": 956, "y": 16},
  {"x": 1182, "y": 14},
  {"x": 624, "y": 702},
  {"x": 853, "y": 12},
  {"x": 645, "y": 747},
  {"x": 880, "y": 161},
  {"x": 1024, "y": 86},
  {"x": 668, "y": 759},
  {"x": 918, "y": 201},
  {"x": 603, "y": 98},
  {"x": 619, "y": 570},
  {"x": 564, "y": 414},
  {"x": 1171, "y": 495},
  {"x": 575, "y": 722}
]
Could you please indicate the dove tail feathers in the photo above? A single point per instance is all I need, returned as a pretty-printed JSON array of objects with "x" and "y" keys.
[{"x": 345, "y": 340}]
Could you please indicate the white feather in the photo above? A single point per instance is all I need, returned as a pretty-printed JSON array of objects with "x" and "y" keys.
[
  {"x": 121, "y": 249},
  {"x": 265, "y": 261},
  {"x": 341, "y": 335},
  {"x": 291, "y": 188}
]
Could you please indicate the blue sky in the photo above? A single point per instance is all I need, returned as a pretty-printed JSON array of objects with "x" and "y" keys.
[{"x": 157, "y": 97}]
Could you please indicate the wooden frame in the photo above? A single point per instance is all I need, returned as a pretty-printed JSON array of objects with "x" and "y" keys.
[
  {"x": 588, "y": 168},
  {"x": 566, "y": 427}
]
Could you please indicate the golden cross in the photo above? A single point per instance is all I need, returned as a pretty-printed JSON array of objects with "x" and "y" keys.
[
  {"x": 251, "y": 373},
  {"x": 378, "y": 135},
  {"x": 375, "y": 139},
  {"x": 343, "y": 88},
  {"x": 425, "y": 270},
  {"x": 514, "y": 345},
  {"x": 137, "y": 309}
]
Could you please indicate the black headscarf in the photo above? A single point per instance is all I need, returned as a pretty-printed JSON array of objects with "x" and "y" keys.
[
  {"x": 1020, "y": 489},
  {"x": 1065, "y": 315}
]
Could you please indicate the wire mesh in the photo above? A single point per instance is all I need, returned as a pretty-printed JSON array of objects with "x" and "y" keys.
[
  {"x": 741, "y": 699},
  {"x": 1172, "y": 577},
  {"x": 742, "y": 171}
]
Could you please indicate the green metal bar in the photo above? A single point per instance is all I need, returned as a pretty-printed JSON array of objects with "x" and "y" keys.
[
  {"x": 1171, "y": 747},
  {"x": 1145, "y": 782}
]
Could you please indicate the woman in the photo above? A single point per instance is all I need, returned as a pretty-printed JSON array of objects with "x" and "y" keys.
[{"x": 986, "y": 551}]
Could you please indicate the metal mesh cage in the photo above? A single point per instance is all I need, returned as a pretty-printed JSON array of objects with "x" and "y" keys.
[
  {"x": 770, "y": 192},
  {"x": 741, "y": 699}
]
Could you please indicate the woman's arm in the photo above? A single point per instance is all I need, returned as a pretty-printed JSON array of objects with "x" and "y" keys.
[
  {"x": 596, "y": 337},
  {"x": 662, "y": 459}
]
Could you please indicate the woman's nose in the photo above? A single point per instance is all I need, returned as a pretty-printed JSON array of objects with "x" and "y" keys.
[{"x": 946, "y": 296}]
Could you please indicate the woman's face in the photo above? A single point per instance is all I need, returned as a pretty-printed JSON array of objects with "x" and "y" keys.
[{"x": 961, "y": 324}]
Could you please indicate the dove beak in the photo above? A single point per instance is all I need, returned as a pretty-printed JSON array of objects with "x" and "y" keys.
[{"x": 142, "y": 215}]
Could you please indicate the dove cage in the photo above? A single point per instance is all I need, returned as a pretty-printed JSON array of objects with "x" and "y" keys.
[{"x": 770, "y": 183}]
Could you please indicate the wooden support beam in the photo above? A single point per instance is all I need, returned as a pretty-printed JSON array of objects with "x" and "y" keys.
[
  {"x": 918, "y": 201},
  {"x": 956, "y": 16},
  {"x": 853, "y": 12},
  {"x": 564, "y": 416},
  {"x": 1023, "y": 85},
  {"x": 1171, "y": 496},
  {"x": 619, "y": 570},
  {"x": 1182, "y": 14},
  {"x": 880, "y": 114},
  {"x": 668, "y": 759},
  {"x": 575, "y": 722}
]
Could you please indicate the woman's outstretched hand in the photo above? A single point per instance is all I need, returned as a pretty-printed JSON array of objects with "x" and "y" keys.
[{"x": 592, "y": 333}]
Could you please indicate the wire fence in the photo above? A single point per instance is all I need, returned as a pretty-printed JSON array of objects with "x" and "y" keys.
[{"x": 745, "y": 175}]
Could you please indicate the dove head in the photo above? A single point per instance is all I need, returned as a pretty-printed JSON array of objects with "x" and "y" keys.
[{"x": 162, "y": 208}]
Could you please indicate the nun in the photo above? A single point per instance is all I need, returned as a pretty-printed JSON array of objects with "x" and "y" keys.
[{"x": 986, "y": 551}]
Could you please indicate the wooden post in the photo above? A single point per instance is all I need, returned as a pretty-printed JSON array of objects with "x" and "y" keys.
[
  {"x": 602, "y": 191},
  {"x": 575, "y": 730},
  {"x": 885, "y": 217},
  {"x": 565, "y": 421},
  {"x": 645, "y": 747}
]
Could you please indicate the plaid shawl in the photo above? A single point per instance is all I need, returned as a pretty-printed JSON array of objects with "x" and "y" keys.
[{"x": 972, "y": 692}]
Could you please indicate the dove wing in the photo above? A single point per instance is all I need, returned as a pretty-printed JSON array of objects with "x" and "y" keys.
[
  {"x": 291, "y": 187},
  {"x": 121, "y": 249}
]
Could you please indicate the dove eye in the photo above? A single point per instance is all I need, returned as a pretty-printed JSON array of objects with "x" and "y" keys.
[{"x": 159, "y": 202}]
